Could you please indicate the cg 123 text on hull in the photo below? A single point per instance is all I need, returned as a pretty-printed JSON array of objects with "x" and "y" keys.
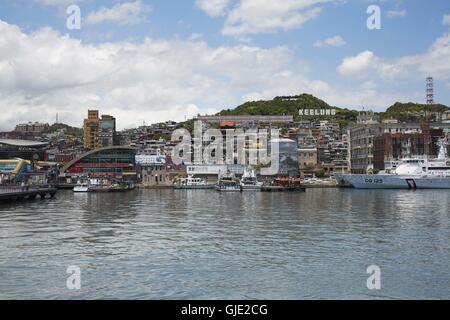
[{"x": 382, "y": 181}]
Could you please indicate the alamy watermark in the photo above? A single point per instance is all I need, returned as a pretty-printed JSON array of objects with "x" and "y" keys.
[
  {"x": 374, "y": 280},
  {"x": 231, "y": 146},
  {"x": 73, "y": 21},
  {"x": 74, "y": 280},
  {"x": 374, "y": 20}
]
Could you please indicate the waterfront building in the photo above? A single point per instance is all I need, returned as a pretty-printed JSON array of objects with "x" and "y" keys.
[
  {"x": 361, "y": 145},
  {"x": 152, "y": 170},
  {"x": 115, "y": 162},
  {"x": 24, "y": 149},
  {"x": 211, "y": 172},
  {"x": 307, "y": 159},
  {"x": 157, "y": 170},
  {"x": 334, "y": 157}
]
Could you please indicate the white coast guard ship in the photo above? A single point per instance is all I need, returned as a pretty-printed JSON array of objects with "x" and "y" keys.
[{"x": 411, "y": 173}]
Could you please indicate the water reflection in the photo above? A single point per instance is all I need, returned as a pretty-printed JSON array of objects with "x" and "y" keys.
[{"x": 204, "y": 244}]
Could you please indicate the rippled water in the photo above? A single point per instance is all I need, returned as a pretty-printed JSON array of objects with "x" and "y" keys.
[{"x": 167, "y": 244}]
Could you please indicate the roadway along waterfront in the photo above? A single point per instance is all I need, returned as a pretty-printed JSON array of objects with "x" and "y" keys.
[{"x": 202, "y": 244}]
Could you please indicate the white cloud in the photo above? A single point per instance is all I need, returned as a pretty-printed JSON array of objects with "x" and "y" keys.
[
  {"x": 336, "y": 41},
  {"x": 125, "y": 13},
  {"x": 360, "y": 64},
  {"x": 396, "y": 13},
  {"x": 446, "y": 20},
  {"x": 44, "y": 73},
  {"x": 435, "y": 61},
  {"x": 213, "y": 8},
  {"x": 266, "y": 16}
]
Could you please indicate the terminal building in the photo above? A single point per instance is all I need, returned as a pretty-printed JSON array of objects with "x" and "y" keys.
[
  {"x": 116, "y": 162},
  {"x": 23, "y": 149}
]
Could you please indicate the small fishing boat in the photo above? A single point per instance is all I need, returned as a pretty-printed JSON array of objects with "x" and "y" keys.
[
  {"x": 228, "y": 183},
  {"x": 249, "y": 181},
  {"x": 192, "y": 183},
  {"x": 122, "y": 186},
  {"x": 81, "y": 187},
  {"x": 103, "y": 185},
  {"x": 283, "y": 184}
]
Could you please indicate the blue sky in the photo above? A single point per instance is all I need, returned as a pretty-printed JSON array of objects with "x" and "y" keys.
[{"x": 157, "y": 60}]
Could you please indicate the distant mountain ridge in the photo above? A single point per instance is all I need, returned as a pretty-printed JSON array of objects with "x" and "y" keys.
[{"x": 290, "y": 105}]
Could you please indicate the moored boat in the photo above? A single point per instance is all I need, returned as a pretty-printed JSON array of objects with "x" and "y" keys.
[
  {"x": 283, "y": 184},
  {"x": 412, "y": 173},
  {"x": 102, "y": 185},
  {"x": 192, "y": 183},
  {"x": 249, "y": 181},
  {"x": 228, "y": 183},
  {"x": 81, "y": 187}
]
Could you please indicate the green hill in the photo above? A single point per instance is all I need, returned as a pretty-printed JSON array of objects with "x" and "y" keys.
[
  {"x": 70, "y": 131},
  {"x": 404, "y": 112},
  {"x": 291, "y": 106},
  {"x": 414, "y": 112}
]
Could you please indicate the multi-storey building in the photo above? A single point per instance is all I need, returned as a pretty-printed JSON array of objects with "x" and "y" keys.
[
  {"x": 90, "y": 130},
  {"x": 391, "y": 147},
  {"x": 99, "y": 132},
  {"x": 33, "y": 127},
  {"x": 107, "y": 131},
  {"x": 307, "y": 158},
  {"x": 361, "y": 146}
]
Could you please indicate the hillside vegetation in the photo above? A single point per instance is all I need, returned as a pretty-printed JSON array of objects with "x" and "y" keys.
[
  {"x": 414, "y": 112},
  {"x": 291, "y": 106},
  {"x": 70, "y": 131},
  {"x": 404, "y": 112}
]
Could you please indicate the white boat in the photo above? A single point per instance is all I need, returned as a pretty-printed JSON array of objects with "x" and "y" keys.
[
  {"x": 92, "y": 185},
  {"x": 99, "y": 185},
  {"x": 192, "y": 183},
  {"x": 228, "y": 183},
  {"x": 249, "y": 181},
  {"x": 411, "y": 173},
  {"x": 81, "y": 187}
]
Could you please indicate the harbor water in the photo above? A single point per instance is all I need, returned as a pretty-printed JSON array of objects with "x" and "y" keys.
[{"x": 203, "y": 244}]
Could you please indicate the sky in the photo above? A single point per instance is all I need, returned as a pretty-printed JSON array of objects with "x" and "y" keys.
[{"x": 146, "y": 61}]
